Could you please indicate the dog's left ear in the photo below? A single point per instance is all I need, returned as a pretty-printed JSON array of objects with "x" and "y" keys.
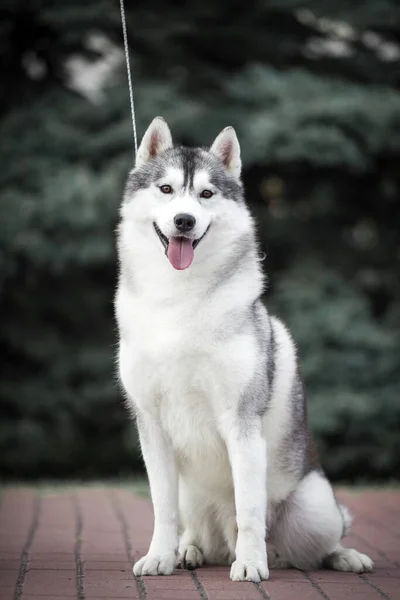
[
  {"x": 156, "y": 140},
  {"x": 226, "y": 147}
]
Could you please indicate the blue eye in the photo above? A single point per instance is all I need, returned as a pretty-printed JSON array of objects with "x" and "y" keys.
[
  {"x": 206, "y": 194},
  {"x": 166, "y": 189}
]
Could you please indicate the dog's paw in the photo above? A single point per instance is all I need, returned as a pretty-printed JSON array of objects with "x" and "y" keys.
[
  {"x": 347, "y": 559},
  {"x": 255, "y": 571},
  {"x": 155, "y": 564},
  {"x": 275, "y": 561},
  {"x": 190, "y": 557}
]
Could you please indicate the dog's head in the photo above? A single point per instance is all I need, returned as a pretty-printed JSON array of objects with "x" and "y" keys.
[{"x": 187, "y": 198}]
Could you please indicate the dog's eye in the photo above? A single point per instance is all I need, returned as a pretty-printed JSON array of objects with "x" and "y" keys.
[
  {"x": 166, "y": 189},
  {"x": 206, "y": 194}
]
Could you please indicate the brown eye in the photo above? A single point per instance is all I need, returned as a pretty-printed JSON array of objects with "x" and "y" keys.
[
  {"x": 206, "y": 194},
  {"x": 166, "y": 189}
]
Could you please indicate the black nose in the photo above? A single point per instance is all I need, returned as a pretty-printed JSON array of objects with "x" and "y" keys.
[{"x": 184, "y": 222}]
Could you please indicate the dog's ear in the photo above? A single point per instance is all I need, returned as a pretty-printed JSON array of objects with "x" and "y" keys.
[
  {"x": 226, "y": 147},
  {"x": 157, "y": 139}
]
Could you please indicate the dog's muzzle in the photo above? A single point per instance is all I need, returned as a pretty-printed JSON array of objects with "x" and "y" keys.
[{"x": 179, "y": 249}]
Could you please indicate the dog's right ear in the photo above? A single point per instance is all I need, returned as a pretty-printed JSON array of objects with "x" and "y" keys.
[{"x": 156, "y": 140}]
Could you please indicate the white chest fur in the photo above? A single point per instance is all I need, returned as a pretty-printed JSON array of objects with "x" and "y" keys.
[{"x": 180, "y": 364}]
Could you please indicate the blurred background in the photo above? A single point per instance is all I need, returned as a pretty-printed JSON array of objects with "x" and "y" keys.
[{"x": 313, "y": 89}]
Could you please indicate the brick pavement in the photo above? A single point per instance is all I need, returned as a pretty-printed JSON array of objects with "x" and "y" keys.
[{"x": 81, "y": 542}]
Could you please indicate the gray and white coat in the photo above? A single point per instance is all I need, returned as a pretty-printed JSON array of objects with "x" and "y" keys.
[{"x": 213, "y": 379}]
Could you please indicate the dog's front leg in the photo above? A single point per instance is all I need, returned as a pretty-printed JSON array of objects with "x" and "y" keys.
[
  {"x": 163, "y": 478},
  {"x": 248, "y": 456}
]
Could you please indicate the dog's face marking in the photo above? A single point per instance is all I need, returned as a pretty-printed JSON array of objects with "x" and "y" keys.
[
  {"x": 181, "y": 193},
  {"x": 185, "y": 169}
]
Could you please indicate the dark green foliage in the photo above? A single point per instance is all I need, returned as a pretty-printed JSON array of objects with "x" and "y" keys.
[
  {"x": 351, "y": 366},
  {"x": 61, "y": 413},
  {"x": 321, "y": 145}
]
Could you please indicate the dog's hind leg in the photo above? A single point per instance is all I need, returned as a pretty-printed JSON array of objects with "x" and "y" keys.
[
  {"x": 347, "y": 559},
  {"x": 309, "y": 528}
]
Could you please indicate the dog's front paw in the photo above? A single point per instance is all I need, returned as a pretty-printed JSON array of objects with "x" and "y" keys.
[
  {"x": 155, "y": 564},
  {"x": 249, "y": 570}
]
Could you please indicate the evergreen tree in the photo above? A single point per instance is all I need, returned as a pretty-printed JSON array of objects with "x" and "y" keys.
[{"x": 313, "y": 90}]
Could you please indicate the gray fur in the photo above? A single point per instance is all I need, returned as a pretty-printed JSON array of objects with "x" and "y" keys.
[
  {"x": 257, "y": 395},
  {"x": 142, "y": 178},
  {"x": 297, "y": 442},
  {"x": 239, "y": 259},
  {"x": 189, "y": 160},
  {"x": 271, "y": 358},
  {"x": 235, "y": 322},
  {"x": 299, "y": 456},
  {"x": 253, "y": 402}
]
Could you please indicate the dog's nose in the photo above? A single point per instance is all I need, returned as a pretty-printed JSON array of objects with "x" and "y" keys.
[{"x": 184, "y": 222}]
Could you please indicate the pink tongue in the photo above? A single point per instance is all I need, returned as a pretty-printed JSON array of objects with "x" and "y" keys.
[{"x": 180, "y": 252}]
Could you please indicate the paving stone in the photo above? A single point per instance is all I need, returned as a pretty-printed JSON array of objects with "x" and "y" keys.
[{"x": 81, "y": 542}]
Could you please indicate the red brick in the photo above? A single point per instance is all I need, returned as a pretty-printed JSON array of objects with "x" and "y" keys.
[
  {"x": 225, "y": 589},
  {"x": 49, "y": 563},
  {"x": 96, "y": 577},
  {"x": 176, "y": 595},
  {"x": 290, "y": 590},
  {"x": 8, "y": 577},
  {"x": 241, "y": 590},
  {"x": 107, "y": 569},
  {"x": 169, "y": 583},
  {"x": 391, "y": 586},
  {"x": 102, "y": 533},
  {"x": 224, "y": 584},
  {"x": 51, "y": 582},
  {"x": 286, "y": 575},
  {"x": 111, "y": 590},
  {"x": 9, "y": 554},
  {"x": 105, "y": 556},
  {"x": 175, "y": 587},
  {"x": 350, "y": 591},
  {"x": 11, "y": 544},
  {"x": 8, "y": 593},
  {"x": 41, "y": 597},
  {"x": 103, "y": 583},
  {"x": 52, "y": 569},
  {"x": 10, "y": 563},
  {"x": 16, "y": 513},
  {"x": 108, "y": 565},
  {"x": 328, "y": 575},
  {"x": 386, "y": 574}
]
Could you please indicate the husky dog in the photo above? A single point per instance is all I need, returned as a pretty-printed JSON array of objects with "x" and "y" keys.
[{"x": 213, "y": 379}]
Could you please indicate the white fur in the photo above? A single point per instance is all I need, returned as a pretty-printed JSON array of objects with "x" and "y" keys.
[
  {"x": 184, "y": 366},
  {"x": 226, "y": 147},
  {"x": 348, "y": 559},
  {"x": 156, "y": 140}
]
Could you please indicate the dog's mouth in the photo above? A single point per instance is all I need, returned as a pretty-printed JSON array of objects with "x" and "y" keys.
[{"x": 180, "y": 249}]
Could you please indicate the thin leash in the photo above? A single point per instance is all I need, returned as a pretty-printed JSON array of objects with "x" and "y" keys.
[{"x": 128, "y": 69}]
